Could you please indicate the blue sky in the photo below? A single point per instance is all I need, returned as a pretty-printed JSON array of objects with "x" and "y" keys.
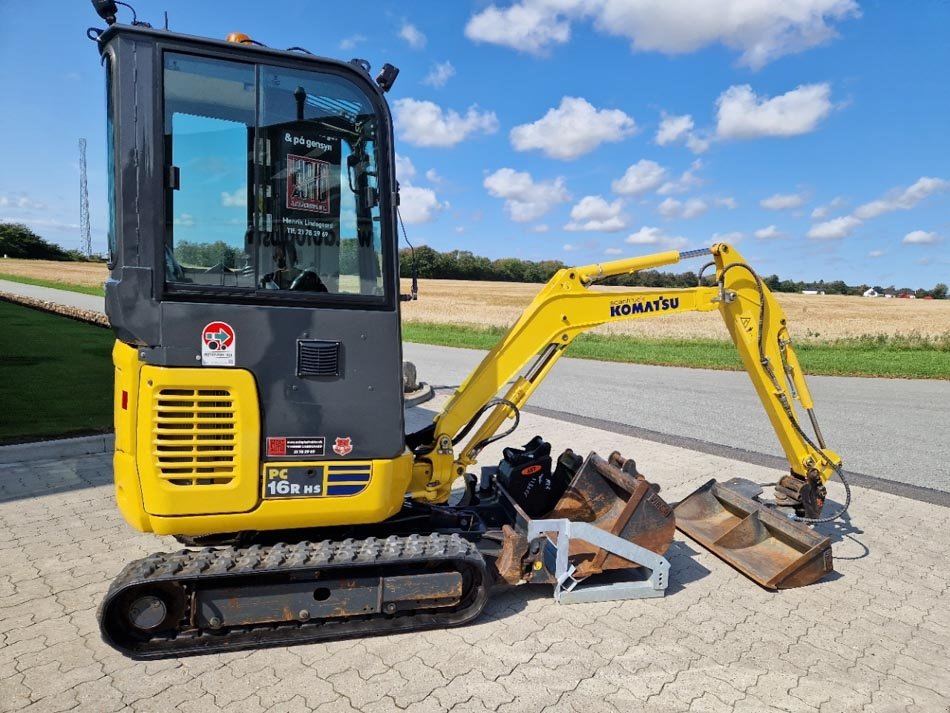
[{"x": 815, "y": 137}]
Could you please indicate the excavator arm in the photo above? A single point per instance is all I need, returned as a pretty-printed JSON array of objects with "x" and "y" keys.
[{"x": 566, "y": 307}]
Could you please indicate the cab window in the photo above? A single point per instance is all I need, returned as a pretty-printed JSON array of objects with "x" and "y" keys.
[{"x": 272, "y": 180}]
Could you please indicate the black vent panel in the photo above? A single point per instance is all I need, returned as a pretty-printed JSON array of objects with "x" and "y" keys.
[{"x": 318, "y": 358}]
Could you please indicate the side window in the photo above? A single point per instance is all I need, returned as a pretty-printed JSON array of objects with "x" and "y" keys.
[
  {"x": 318, "y": 220},
  {"x": 209, "y": 127}
]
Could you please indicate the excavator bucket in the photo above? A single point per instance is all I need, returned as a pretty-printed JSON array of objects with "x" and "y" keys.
[
  {"x": 613, "y": 497},
  {"x": 764, "y": 545}
]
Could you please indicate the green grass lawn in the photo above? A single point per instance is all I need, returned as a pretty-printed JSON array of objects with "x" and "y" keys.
[
  {"x": 55, "y": 375},
  {"x": 69, "y": 286},
  {"x": 905, "y": 357}
]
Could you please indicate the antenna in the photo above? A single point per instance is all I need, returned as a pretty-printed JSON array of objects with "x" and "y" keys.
[{"x": 86, "y": 240}]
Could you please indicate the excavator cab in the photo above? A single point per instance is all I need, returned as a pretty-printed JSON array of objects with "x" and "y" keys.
[{"x": 253, "y": 283}]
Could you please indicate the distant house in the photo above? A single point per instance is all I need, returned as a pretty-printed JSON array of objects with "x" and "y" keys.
[
  {"x": 872, "y": 292},
  {"x": 890, "y": 294},
  {"x": 813, "y": 292}
]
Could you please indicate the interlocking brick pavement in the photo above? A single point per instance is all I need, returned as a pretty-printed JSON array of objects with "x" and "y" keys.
[{"x": 874, "y": 637}]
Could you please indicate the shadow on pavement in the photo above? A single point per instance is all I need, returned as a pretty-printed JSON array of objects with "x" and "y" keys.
[{"x": 37, "y": 478}]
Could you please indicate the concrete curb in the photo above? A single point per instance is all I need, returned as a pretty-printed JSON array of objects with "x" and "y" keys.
[
  {"x": 60, "y": 448},
  {"x": 419, "y": 396}
]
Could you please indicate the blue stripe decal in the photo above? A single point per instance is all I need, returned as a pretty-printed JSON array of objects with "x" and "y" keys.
[
  {"x": 345, "y": 489},
  {"x": 348, "y": 478}
]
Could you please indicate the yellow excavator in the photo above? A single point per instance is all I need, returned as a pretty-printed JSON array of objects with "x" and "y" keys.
[{"x": 259, "y": 414}]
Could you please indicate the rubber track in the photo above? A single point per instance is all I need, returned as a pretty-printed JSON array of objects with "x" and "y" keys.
[{"x": 214, "y": 566}]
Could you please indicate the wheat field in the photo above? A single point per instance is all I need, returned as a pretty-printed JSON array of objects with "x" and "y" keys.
[{"x": 810, "y": 317}]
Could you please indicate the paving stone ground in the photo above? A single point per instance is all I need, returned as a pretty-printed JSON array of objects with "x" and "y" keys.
[{"x": 873, "y": 637}]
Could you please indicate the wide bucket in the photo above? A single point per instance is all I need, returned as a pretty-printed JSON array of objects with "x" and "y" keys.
[
  {"x": 766, "y": 546},
  {"x": 612, "y": 496}
]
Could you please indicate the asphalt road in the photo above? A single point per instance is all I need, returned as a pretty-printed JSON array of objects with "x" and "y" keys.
[{"x": 893, "y": 429}]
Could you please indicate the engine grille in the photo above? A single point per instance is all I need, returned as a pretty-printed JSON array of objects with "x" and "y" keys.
[
  {"x": 318, "y": 358},
  {"x": 195, "y": 436}
]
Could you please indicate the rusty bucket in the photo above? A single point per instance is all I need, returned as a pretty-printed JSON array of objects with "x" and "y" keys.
[
  {"x": 764, "y": 545},
  {"x": 611, "y": 495}
]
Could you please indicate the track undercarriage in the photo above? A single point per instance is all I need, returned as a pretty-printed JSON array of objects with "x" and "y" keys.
[{"x": 429, "y": 567}]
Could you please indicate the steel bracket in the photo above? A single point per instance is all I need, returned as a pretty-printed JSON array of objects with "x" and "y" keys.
[{"x": 571, "y": 590}]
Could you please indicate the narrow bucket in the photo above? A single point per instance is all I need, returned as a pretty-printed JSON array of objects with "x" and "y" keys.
[
  {"x": 766, "y": 546},
  {"x": 616, "y": 499}
]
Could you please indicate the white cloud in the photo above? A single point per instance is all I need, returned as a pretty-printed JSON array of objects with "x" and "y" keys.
[
  {"x": 439, "y": 74},
  {"x": 613, "y": 251},
  {"x": 236, "y": 199},
  {"x": 411, "y": 34},
  {"x": 524, "y": 198},
  {"x": 673, "y": 129},
  {"x": 649, "y": 235},
  {"x": 672, "y": 208},
  {"x": 727, "y": 202},
  {"x": 685, "y": 182},
  {"x": 185, "y": 220},
  {"x": 526, "y": 26},
  {"x": 540, "y": 228},
  {"x": 593, "y": 213},
  {"x": 697, "y": 143},
  {"x": 424, "y": 123},
  {"x": 760, "y": 31},
  {"x": 768, "y": 233},
  {"x": 49, "y": 223},
  {"x": 902, "y": 199},
  {"x": 875, "y": 253},
  {"x": 21, "y": 202},
  {"x": 639, "y": 178},
  {"x": 405, "y": 171},
  {"x": 919, "y": 237},
  {"x": 823, "y": 211},
  {"x": 783, "y": 201},
  {"x": 418, "y": 205},
  {"x": 348, "y": 43},
  {"x": 898, "y": 199},
  {"x": 741, "y": 114},
  {"x": 570, "y": 248},
  {"x": 676, "y": 129},
  {"x": 432, "y": 176},
  {"x": 834, "y": 229},
  {"x": 572, "y": 129}
]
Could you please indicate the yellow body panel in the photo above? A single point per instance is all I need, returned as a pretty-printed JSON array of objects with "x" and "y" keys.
[
  {"x": 187, "y": 458},
  {"x": 382, "y": 498},
  {"x": 198, "y": 440}
]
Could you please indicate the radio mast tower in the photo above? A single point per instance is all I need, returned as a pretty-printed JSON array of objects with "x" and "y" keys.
[{"x": 86, "y": 241}]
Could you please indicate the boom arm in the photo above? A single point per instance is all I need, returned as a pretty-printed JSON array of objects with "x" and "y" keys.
[{"x": 565, "y": 307}]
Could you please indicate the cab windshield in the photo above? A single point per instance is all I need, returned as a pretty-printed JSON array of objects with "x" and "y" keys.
[{"x": 271, "y": 180}]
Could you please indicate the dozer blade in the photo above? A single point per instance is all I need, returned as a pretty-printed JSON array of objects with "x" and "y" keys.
[
  {"x": 613, "y": 497},
  {"x": 766, "y": 546}
]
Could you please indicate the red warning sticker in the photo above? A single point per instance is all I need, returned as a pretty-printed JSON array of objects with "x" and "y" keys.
[
  {"x": 217, "y": 344},
  {"x": 343, "y": 445}
]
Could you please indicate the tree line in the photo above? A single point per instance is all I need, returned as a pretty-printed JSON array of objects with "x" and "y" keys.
[
  {"x": 19, "y": 241},
  {"x": 426, "y": 262}
]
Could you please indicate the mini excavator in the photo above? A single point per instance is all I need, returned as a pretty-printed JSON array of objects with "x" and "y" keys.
[{"x": 259, "y": 410}]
